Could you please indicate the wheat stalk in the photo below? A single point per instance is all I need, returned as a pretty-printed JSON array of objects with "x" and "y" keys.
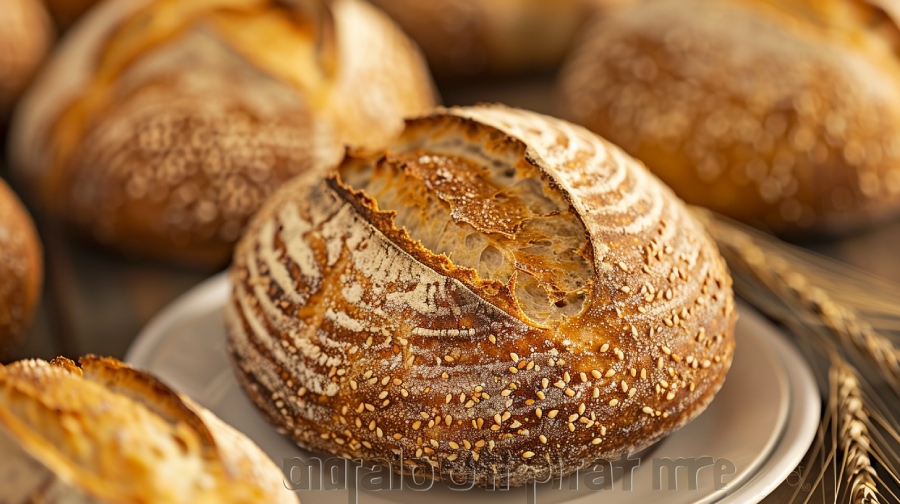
[
  {"x": 830, "y": 309},
  {"x": 785, "y": 280},
  {"x": 853, "y": 432}
]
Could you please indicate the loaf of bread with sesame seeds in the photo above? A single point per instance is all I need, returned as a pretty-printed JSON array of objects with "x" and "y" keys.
[
  {"x": 106, "y": 433},
  {"x": 781, "y": 113},
  {"x": 498, "y": 295},
  {"x": 25, "y": 39},
  {"x": 21, "y": 269},
  {"x": 160, "y": 126}
]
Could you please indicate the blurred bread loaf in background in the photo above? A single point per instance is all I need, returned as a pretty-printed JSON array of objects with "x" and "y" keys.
[
  {"x": 21, "y": 269},
  {"x": 25, "y": 39},
  {"x": 781, "y": 113},
  {"x": 474, "y": 38},
  {"x": 106, "y": 433},
  {"x": 159, "y": 126}
]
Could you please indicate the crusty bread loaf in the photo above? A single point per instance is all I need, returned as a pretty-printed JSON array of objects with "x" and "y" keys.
[
  {"x": 160, "y": 126},
  {"x": 784, "y": 114},
  {"x": 465, "y": 38},
  {"x": 25, "y": 36},
  {"x": 21, "y": 269},
  {"x": 499, "y": 294},
  {"x": 106, "y": 433}
]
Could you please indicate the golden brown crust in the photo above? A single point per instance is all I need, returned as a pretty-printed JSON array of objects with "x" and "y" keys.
[
  {"x": 781, "y": 114},
  {"x": 25, "y": 38},
  {"x": 106, "y": 433},
  {"x": 462, "y": 38},
  {"x": 357, "y": 339},
  {"x": 21, "y": 268},
  {"x": 185, "y": 116},
  {"x": 185, "y": 180}
]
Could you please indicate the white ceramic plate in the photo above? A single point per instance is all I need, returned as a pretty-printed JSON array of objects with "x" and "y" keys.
[{"x": 744, "y": 445}]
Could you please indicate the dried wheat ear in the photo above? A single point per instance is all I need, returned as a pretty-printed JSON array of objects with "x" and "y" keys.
[{"x": 846, "y": 323}]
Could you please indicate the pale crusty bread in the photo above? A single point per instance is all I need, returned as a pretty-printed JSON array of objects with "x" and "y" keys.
[
  {"x": 784, "y": 114},
  {"x": 107, "y": 433},
  {"x": 160, "y": 126},
  {"x": 21, "y": 269},
  {"x": 499, "y": 294},
  {"x": 25, "y": 38}
]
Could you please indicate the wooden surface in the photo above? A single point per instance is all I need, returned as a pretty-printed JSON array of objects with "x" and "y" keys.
[{"x": 97, "y": 302}]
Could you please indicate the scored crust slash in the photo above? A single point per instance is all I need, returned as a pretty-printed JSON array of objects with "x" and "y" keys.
[{"x": 496, "y": 293}]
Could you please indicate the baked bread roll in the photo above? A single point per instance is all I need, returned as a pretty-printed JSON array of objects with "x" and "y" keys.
[
  {"x": 25, "y": 37},
  {"x": 160, "y": 126},
  {"x": 499, "y": 295},
  {"x": 106, "y": 433},
  {"x": 21, "y": 269},
  {"x": 783, "y": 114},
  {"x": 462, "y": 38}
]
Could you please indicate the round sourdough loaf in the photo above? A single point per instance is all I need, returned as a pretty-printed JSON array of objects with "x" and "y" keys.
[
  {"x": 21, "y": 269},
  {"x": 498, "y": 296},
  {"x": 106, "y": 433},
  {"x": 160, "y": 126},
  {"x": 783, "y": 114}
]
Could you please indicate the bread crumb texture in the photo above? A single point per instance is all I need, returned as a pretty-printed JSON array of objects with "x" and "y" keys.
[
  {"x": 498, "y": 294},
  {"x": 106, "y": 433}
]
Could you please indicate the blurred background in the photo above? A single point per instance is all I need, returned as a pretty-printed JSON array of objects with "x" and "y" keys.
[{"x": 96, "y": 298}]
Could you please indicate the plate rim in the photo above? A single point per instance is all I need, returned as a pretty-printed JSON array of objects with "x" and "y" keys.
[{"x": 804, "y": 414}]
